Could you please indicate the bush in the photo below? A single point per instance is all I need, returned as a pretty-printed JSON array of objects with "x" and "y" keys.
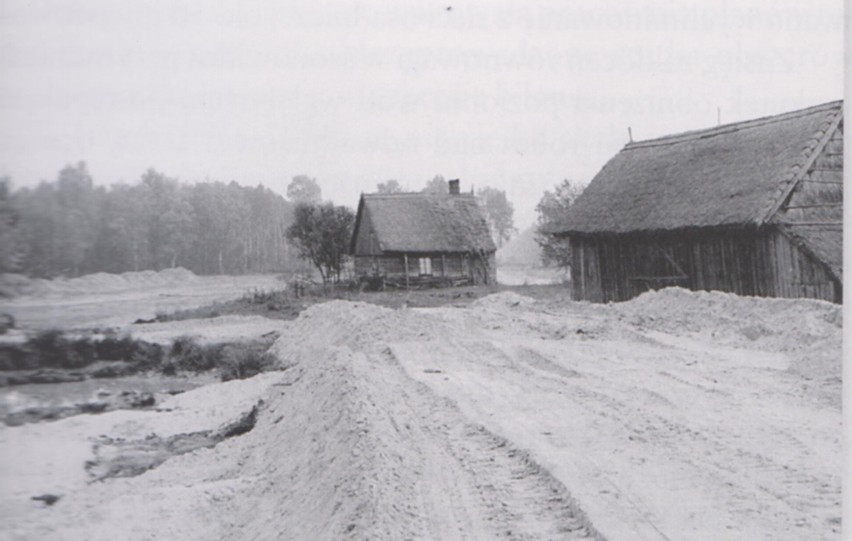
[
  {"x": 17, "y": 357},
  {"x": 147, "y": 355},
  {"x": 53, "y": 349},
  {"x": 187, "y": 354},
  {"x": 112, "y": 348},
  {"x": 241, "y": 361}
]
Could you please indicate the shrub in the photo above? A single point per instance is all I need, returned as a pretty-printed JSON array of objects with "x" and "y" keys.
[
  {"x": 17, "y": 357},
  {"x": 112, "y": 348},
  {"x": 53, "y": 349},
  {"x": 188, "y": 354},
  {"x": 147, "y": 355},
  {"x": 241, "y": 361}
]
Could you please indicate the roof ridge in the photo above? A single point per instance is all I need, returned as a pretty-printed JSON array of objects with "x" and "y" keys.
[
  {"x": 733, "y": 126},
  {"x": 397, "y": 195}
]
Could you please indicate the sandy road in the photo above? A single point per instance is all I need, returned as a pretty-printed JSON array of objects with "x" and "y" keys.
[
  {"x": 678, "y": 416},
  {"x": 657, "y": 436},
  {"x": 469, "y": 483}
]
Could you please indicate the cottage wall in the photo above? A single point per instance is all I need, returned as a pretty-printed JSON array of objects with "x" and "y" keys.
[
  {"x": 766, "y": 264},
  {"x": 453, "y": 266}
]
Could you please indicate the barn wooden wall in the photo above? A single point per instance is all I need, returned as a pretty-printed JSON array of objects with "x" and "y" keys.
[{"x": 767, "y": 264}]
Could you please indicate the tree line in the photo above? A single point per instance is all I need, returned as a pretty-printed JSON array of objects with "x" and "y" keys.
[{"x": 71, "y": 227}]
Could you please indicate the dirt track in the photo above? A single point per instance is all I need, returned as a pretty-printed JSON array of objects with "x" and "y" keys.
[{"x": 675, "y": 416}]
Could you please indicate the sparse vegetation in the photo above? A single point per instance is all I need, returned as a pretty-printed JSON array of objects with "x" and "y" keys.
[
  {"x": 50, "y": 350},
  {"x": 233, "y": 361},
  {"x": 244, "y": 362}
]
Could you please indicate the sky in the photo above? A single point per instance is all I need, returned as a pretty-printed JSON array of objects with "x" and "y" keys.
[{"x": 512, "y": 95}]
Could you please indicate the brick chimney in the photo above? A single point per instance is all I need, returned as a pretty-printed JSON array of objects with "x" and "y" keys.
[{"x": 454, "y": 187}]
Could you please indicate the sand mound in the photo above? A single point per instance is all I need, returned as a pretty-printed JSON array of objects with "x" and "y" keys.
[
  {"x": 809, "y": 330},
  {"x": 101, "y": 282},
  {"x": 356, "y": 325},
  {"x": 790, "y": 321}
]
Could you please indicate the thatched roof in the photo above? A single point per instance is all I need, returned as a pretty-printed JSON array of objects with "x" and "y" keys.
[
  {"x": 729, "y": 176},
  {"x": 419, "y": 222}
]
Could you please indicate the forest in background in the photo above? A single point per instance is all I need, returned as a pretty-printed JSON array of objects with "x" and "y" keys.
[{"x": 70, "y": 227}]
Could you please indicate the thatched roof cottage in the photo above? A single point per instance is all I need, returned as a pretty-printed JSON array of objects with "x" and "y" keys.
[
  {"x": 414, "y": 239},
  {"x": 753, "y": 208}
]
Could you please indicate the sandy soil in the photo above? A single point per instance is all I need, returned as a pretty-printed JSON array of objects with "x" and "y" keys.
[
  {"x": 104, "y": 300},
  {"x": 519, "y": 276},
  {"x": 677, "y": 415}
]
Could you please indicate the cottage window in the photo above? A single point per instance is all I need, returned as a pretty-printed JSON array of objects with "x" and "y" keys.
[{"x": 426, "y": 266}]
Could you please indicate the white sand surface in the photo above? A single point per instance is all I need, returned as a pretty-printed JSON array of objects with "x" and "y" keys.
[{"x": 677, "y": 415}]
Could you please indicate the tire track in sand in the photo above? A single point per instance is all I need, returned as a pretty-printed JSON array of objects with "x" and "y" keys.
[{"x": 471, "y": 484}]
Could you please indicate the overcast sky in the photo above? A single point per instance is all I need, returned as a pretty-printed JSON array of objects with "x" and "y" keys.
[{"x": 515, "y": 95}]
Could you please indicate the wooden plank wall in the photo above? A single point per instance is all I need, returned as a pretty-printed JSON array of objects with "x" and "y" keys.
[
  {"x": 767, "y": 264},
  {"x": 798, "y": 275},
  {"x": 394, "y": 265}
]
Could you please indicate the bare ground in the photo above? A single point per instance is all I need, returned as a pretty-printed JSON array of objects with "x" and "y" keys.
[{"x": 675, "y": 416}]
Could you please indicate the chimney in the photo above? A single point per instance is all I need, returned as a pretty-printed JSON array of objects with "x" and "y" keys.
[{"x": 454, "y": 187}]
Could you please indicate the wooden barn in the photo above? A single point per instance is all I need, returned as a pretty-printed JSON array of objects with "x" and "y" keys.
[
  {"x": 753, "y": 208},
  {"x": 418, "y": 239}
]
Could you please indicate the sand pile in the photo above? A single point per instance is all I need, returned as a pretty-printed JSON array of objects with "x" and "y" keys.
[
  {"x": 357, "y": 325},
  {"x": 100, "y": 282},
  {"x": 328, "y": 461},
  {"x": 808, "y": 330}
]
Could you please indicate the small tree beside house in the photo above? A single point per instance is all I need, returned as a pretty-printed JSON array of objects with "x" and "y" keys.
[{"x": 321, "y": 235}]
